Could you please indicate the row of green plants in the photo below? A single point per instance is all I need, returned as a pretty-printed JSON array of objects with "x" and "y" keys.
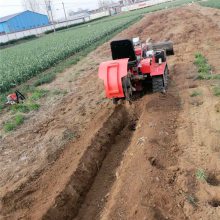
[
  {"x": 211, "y": 3},
  {"x": 12, "y": 42},
  {"x": 204, "y": 68},
  {"x": 22, "y": 62},
  {"x": 205, "y": 73}
]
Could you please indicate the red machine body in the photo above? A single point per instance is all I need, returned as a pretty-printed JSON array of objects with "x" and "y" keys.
[
  {"x": 112, "y": 72},
  {"x": 131, "y": 68}
]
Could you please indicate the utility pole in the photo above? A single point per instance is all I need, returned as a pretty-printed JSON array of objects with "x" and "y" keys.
[
  {"x": 49, "y": 9},
  {"x": 65, "y": 14}
]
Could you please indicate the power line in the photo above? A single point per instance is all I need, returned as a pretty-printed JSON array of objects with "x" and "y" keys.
[
  {"x": 49, "y": 9},
  {"x": 65, "y": 14}
]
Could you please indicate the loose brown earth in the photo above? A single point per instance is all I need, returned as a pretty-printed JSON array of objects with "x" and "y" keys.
[{"x": 80, "y": 157}]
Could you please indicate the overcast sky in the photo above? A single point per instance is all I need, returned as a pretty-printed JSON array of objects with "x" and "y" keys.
[{"x": 8, "y": 7}]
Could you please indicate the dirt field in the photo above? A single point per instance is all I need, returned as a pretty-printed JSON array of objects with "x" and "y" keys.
[{"x": 81, "y": 157}]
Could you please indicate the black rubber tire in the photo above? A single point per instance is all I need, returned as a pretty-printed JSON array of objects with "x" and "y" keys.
[
  {"x": 127, "y": 88},
  {"x": 158, "y": 84},
  {"x": 166, "y": 78},
  {"x": 115, "y": 101}
]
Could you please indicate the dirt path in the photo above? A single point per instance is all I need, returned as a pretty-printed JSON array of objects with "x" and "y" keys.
[
  {"x": 143, "y": 170},
  {"x": 95, "y": 199},
  {"x": 87, "y": 159}
]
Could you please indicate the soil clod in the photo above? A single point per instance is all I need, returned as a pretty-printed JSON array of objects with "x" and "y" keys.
[
  {"x": 213, "y": 180},
  {"x": 155, "y": 163},
  {"x": 214, "y": 203}
]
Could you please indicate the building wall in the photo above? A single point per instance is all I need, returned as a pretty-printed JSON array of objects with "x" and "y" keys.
[
  {"x": 3, "y": 28},
  {"x": 99, "y": 14},
  {"x": 79, "y": 15},
  {"x": 24, "y": 21},
  {"x": 36, "y": 31},
  {"x": 142, "y": 5}
]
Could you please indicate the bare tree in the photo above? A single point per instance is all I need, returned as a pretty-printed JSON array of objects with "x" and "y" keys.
[
  {"x": 48, "y": 8},
  {"x": 32, "y": 5},
  {"x": 104, "y": 3},
  {"x": 45, "y": 7},
  {"x": 100, "y": 3}
]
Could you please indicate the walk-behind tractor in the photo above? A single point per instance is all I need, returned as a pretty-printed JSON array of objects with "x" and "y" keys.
[{"x": 135, "y": 69}]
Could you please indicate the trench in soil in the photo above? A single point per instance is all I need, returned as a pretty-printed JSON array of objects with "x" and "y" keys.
[
  {"x": 90, "y": 183},
  {"x": 98, "y": 194}
]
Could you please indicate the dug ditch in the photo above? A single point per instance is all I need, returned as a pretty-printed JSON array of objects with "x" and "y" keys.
[{"x": 93, "y": 178}]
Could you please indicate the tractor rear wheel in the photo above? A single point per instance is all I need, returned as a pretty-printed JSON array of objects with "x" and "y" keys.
[
  {"x": 127, "y": 88},
  {"x": 158, "y": 84},
  {"x": 115, "y": 101},
  {"x": 166, "y": 78}
]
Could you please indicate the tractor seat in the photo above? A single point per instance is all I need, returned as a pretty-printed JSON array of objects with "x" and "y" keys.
[{"x": 124, "y": 49}]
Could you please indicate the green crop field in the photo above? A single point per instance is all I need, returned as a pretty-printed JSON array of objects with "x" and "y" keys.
[
  {"x": 21, "y": 62},
  {"x": 211, "y": 3}
]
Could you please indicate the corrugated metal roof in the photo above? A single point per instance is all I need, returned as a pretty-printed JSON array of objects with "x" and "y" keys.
[{"x": 6, "y": 18}]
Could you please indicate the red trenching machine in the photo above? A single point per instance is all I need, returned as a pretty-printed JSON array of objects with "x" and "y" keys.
[{"x": 135, "y": 68}]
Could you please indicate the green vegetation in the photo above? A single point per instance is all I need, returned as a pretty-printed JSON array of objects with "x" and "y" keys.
[
  {"x": 1, "y": 106},
  {"x": 14, "y": 123},
  {"x": 22, "y": 62},
  {"x": 59, "y": 92},
  {"x": 2, "y": 101},
  {"x": 201, "y": 175},
  {"x": 12, "y": 42},
  {"x": 192, "y": 200},
  {"x": 50, "y": 75},
  {"x": 216, "y": 90},
  {"x": 19, "y": 63},
  {"x": 45, "y": 79},
  {"x": 195, "y": 93},
  {"x": 25, "y": 107},
  {"x": 68, "y": 135},
  {"x": 29, "y": 105},
  {"x": 38, "y": 94},
  {"x": 217, "y": 76},
  {"x": 204, "y": 68},
  {"x": 211, "y": 3}
]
